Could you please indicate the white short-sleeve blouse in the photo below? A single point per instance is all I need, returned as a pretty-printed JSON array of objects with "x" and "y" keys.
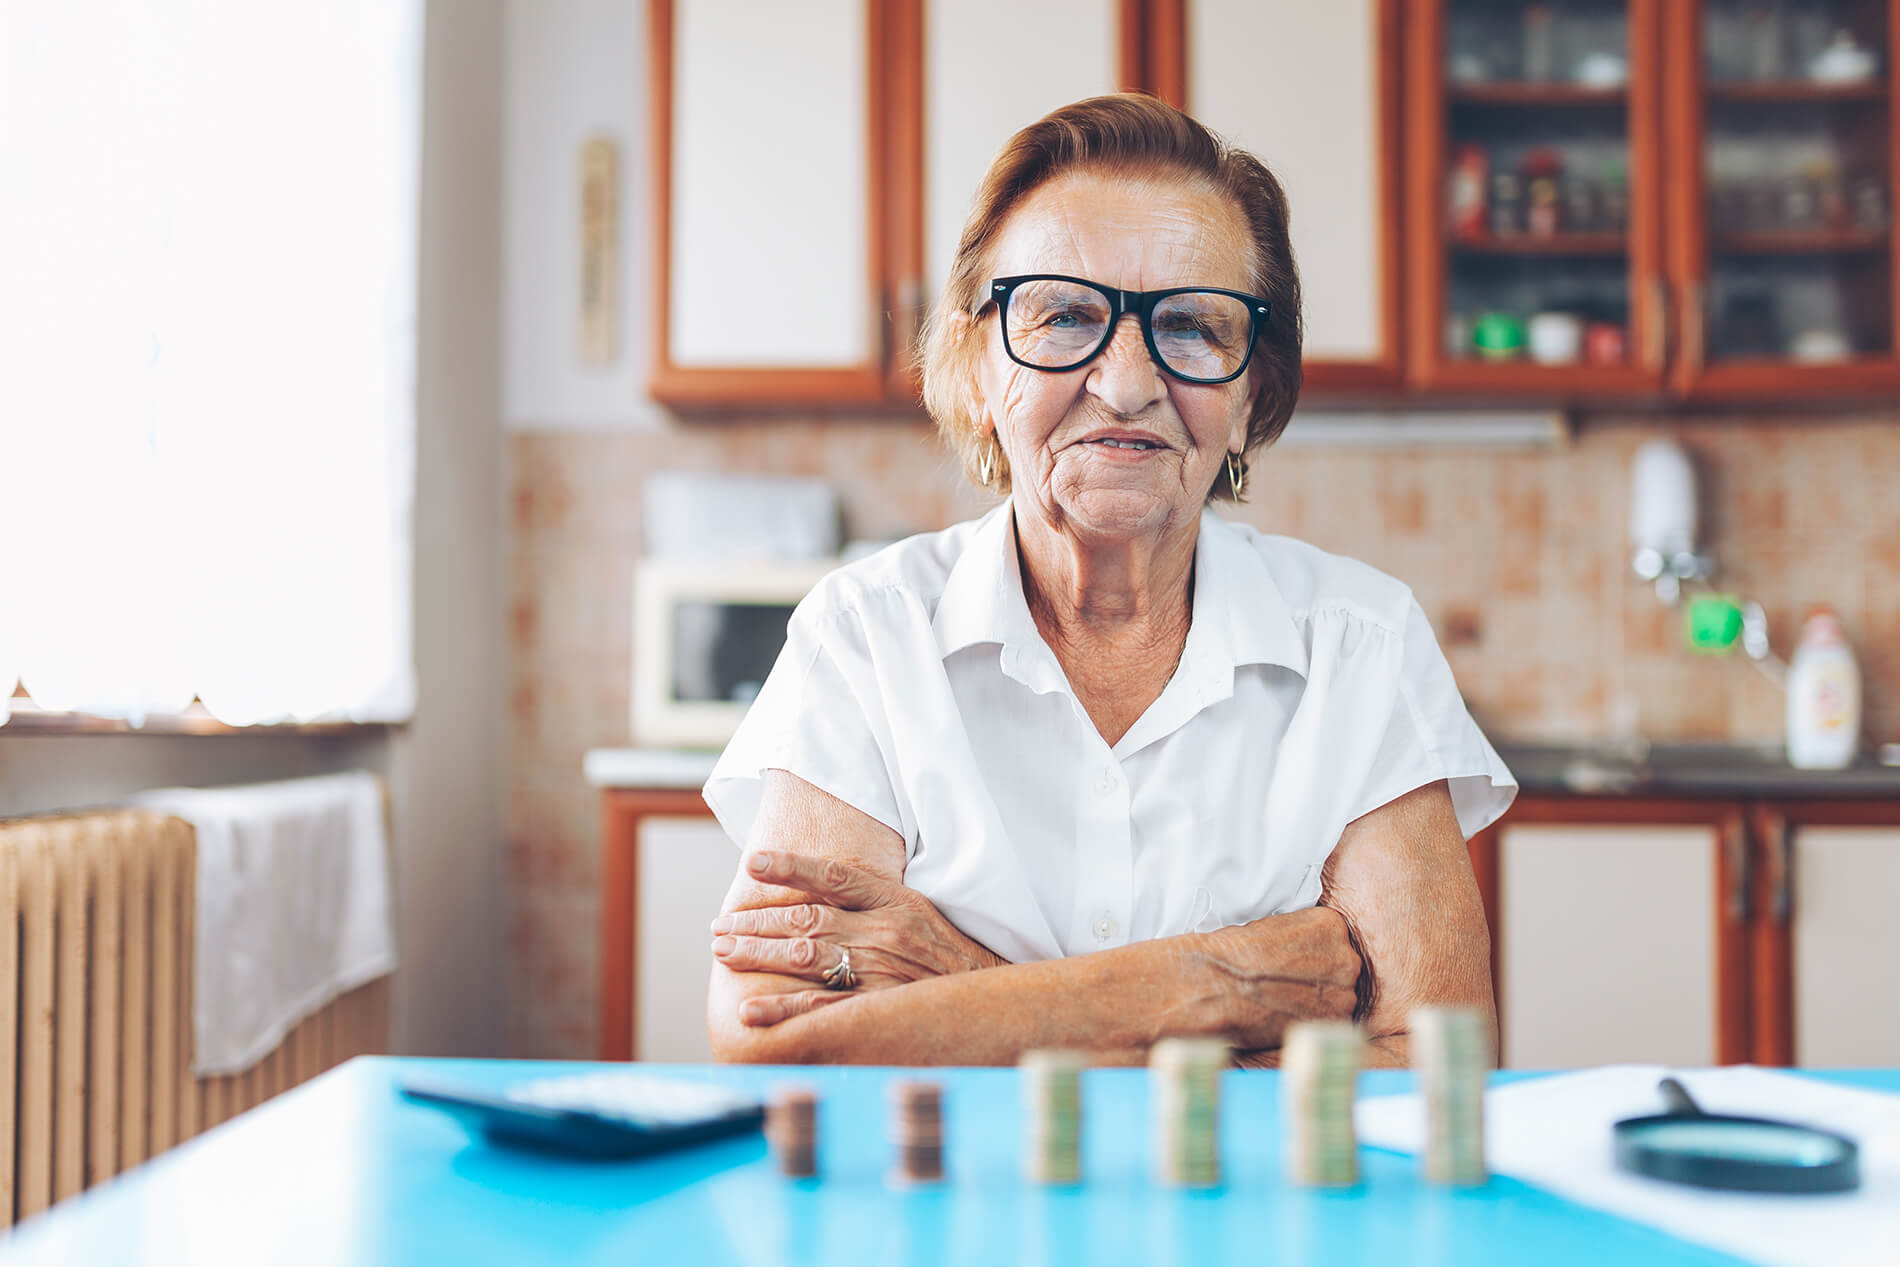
[{"x": 915, "y": 687}]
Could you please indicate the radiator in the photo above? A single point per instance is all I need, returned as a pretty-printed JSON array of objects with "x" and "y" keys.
[{"x": 95, "y": 1007}]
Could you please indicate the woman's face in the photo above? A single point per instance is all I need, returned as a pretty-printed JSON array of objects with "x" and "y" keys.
[{"x": 1132, "y": 234}]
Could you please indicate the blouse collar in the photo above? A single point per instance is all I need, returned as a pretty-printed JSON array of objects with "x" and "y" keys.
[{"x": 1240, "y": 616}]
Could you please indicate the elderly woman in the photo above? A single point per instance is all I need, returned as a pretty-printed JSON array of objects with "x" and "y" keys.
[{"x": 1101, "y": 766}]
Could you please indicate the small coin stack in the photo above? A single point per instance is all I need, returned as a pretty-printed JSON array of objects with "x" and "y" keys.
[
  {"x": 1052, "y": 1115},
  {"x": 917, "y": 1123},
  {"x": 1451, "y": 1050},
  {"x": 1184, "y": 1077},
  {"x": 1319, "y": 1070},
  {"x": 791, "y": 1124}
]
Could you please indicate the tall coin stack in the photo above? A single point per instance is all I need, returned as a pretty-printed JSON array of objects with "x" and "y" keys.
[
  {"x": 917, "y": 1123},
  {"x": 1052, "y": 1115},
  {"x": 1184, "y": 1075},
  {"x": 1319, "y": 1071},
  {"x": 791, "y": 1124},
  {"x": 1451, "y": 1051}
]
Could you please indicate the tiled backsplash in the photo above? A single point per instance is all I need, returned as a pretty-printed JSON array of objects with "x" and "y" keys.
[{"x": 1520, "y": 559}]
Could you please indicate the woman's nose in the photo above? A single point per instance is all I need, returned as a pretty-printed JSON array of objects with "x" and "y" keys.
[{"x": 1124, "y": 377}]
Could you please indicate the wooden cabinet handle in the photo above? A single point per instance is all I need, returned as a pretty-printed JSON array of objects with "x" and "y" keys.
[
  {"x": 1693, "y": 350},
  {"x": 1783, "y": 849},
  {"x": 1739, "y": 852},
  {"x": 1656, "y": 344},
  {"x": 910, "y": 303},
  {"x": 1776, "y": 852}
]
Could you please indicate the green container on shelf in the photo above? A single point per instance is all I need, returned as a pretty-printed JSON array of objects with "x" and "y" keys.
[{"x": 1498, "y": 336}]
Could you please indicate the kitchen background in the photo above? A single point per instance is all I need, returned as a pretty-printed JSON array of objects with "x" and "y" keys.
[
  {"x": 1521, "y": 558},
  {"x": 537, "y": 430}
]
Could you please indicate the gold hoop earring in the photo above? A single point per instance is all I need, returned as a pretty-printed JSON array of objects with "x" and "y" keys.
[
  {"x": 986, "y": 465},
  {"x": 1236, "y": 475}
]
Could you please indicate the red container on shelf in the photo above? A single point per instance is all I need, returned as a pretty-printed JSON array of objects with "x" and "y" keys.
[
  {"x": 1470, "y": 193},
  {"x": 1603, "y": 343}
]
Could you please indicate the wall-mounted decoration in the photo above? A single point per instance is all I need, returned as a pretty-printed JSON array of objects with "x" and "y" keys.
[{"x": 600, "y": 251}]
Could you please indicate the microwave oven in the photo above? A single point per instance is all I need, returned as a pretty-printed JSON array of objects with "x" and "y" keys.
[{"x": 705, "y": 634}]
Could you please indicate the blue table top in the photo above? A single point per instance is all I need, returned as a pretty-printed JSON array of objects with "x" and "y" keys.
[{"x": 341, "y": 1170}]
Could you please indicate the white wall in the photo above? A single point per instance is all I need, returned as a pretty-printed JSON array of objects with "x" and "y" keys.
[
  {"x": 447, "y": 766},
  {"x": 573, "y": 69}
]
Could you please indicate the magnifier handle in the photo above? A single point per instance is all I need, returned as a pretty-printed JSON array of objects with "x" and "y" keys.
[{"x": 1677, "y": 1097}]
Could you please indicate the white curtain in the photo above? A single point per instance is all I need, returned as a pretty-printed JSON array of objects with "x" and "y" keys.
[{"x": 208, "y": 216}]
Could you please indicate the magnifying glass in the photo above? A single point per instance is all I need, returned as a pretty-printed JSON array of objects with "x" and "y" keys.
[{"x": 1745, "y": 1154}]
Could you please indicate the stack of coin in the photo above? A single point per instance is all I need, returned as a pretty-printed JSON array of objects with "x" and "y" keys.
[
  {"x": 1052, "y": 1115},
  {"x": 791, "y": 1124},
  {"x": 917, "y": 1123},
  {"x": 1319, "y": 1070},
  {"x": 1184, "y": 1078},
  {"x": 1451, "y": 1050}
]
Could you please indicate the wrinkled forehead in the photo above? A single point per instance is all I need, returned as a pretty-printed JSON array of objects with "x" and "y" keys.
[{"x": 1133, "y": 232}]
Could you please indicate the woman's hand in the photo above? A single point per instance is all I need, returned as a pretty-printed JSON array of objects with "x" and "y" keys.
[{"x": 894, "y": 934}]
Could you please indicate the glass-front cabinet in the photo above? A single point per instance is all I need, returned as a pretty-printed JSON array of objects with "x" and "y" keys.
[
  {"x": 1536, "y": 211},
  {"x": 1782, "y": 248},
  {"x": 1628, "y": 198}
]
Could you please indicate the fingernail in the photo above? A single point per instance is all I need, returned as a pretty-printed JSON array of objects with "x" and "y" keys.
[
  {"x": 753, "y": 1014},
  {"x": 759, "y": 862},
  {"x": 723, "y": 945},
  {"x": 721, "y": 924}
]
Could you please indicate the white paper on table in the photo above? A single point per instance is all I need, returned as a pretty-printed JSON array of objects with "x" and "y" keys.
[{"x": 1554, "y": 1133}]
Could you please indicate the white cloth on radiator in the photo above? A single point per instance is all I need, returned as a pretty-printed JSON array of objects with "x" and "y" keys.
[{"x": 293, "y": 906}]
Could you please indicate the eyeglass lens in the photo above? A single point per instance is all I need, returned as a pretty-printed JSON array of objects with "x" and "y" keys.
[{"x": 1197, "y": 334}]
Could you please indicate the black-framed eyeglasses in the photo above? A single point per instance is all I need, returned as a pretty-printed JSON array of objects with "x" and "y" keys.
[{"x": 1199, "y": 334}]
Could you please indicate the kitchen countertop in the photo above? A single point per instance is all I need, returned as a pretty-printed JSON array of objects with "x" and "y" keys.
[
  {"x": 1694, "y": 770},
  {"x": 1711, "y": 771}
]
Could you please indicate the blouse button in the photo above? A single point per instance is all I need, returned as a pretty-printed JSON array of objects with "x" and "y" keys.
[
  {"x": 1107, "y": 783},
  {"x": 1104, "y": 926}
]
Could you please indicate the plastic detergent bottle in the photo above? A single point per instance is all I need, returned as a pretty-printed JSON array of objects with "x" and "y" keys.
[{"x": 1823, "y": 697}]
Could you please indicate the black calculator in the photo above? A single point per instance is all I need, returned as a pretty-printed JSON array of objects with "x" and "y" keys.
[{"x": 610, "y": 1115}]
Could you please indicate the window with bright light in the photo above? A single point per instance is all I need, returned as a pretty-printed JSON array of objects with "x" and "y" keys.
[{"x": 207, "y": 349}]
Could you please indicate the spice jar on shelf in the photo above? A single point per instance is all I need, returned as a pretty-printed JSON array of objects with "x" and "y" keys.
[
  {"x": 1582, "y": 209},
  {"x": 1543, "y": 174},
  {"x": 1763, "y": 34},
  {"x": 1540, "y": 45},
  {"x": 1822, "y": 176},
  {"x": 1615, "y": 208},
  {"x": 1867, "y": 200},
  {"x": 1507, "y": 204}
]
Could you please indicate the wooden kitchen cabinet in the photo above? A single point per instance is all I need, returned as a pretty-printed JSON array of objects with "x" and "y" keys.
[
  {"x": 824, "y": 155},
  {"x": 1313, "y": 90},
  {"x": 989, "y": 67},
  {"x": 770, "y": 129},
  {"x": 1614, "y": 935},
  {"x": 1825, "y": 939},
  {"x": 819, "y": 159},
  {"x": 1530, "y": 192},
  {"x": 1780, "y": 241},
  {"x": 1685, "y": 931},
  {"x": 1679, "y": 175}
]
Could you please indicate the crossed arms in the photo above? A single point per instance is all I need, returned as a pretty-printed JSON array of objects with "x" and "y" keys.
[{"x": 1398, "y": 924}]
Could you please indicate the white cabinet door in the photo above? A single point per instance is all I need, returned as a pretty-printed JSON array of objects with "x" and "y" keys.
[
  {"x": 768, "y": 249},
  {"x": 1607, "y": 945},
  {"x": 1302, "y": 86},
  {"x": 685, "y": 867},
  {"x": 992, "y": 67},
  {"x": 1846, "y": 947}
]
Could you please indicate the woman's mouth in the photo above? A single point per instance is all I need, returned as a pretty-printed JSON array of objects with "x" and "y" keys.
[{"x": 1123, "y": 444}]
